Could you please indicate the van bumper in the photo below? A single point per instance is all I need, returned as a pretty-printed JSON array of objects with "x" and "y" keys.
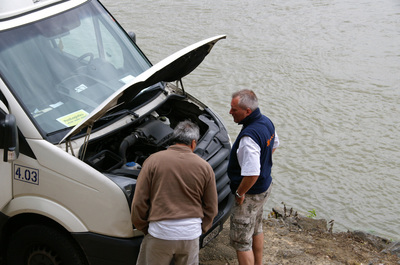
[
  {"x": 224, "y": 212},
  {"x": 104, "y": 250}
]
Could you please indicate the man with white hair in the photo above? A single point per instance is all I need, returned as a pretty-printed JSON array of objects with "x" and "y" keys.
[
  {"x": 249, "y": 170},
  {"x": 175, "y": 201}
]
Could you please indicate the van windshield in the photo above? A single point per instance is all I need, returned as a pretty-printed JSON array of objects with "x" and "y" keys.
[{"x": 62, "y": 67}]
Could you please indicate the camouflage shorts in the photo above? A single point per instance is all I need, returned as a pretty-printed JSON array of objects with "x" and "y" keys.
[{"x": 246, "y": 220}]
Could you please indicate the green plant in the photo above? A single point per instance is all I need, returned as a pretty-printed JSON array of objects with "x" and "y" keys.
[{"x": 312, "y": 213}]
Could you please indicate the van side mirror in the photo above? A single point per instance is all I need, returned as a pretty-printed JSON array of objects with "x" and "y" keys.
[
  {"x": 9, "y": 138},
  {"x": 132, "y": 35}
]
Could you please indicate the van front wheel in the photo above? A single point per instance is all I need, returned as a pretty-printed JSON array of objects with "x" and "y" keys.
[{"x": 41, "y": 245}]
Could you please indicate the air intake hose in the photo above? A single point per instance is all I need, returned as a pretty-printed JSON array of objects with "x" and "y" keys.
[{"x": 126, "y": 143}]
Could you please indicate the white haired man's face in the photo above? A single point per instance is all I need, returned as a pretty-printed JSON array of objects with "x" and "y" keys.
[{"x": 237, "y": 112}]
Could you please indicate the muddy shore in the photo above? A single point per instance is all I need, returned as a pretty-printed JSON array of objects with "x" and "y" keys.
[{"x": 294, "y": 239}]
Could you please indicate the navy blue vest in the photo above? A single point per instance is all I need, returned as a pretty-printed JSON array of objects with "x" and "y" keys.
[{"x": 261, "y": 129}]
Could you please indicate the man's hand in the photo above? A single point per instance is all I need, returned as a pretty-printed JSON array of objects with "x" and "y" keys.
[
  {"x": 245, "y": 185},
  {"x": 239, "y": 201}
]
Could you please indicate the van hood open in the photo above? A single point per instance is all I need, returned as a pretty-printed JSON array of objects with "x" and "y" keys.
[{"x": 172, "y": 68}]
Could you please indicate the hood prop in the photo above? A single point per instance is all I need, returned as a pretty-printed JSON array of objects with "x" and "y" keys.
[
  {"x": 183, "y": 89},
  {"x": 180, "y": 82},
  {"x": 68, "y": 143}
]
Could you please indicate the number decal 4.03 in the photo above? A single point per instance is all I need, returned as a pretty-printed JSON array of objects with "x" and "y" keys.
[{"x": 26, "y": 174}]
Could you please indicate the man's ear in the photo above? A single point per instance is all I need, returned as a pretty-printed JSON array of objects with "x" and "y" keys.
[
  {"x": 193, "y": 145},
  {"x": 248, "y": 111}
]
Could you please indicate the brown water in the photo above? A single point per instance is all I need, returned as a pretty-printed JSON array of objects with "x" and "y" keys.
[{"x": 326, "y": 72}]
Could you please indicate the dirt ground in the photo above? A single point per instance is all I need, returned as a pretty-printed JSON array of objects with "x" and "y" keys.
[{"x": 294, "y": 240}]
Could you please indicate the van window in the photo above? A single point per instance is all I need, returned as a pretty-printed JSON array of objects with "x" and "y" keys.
[
  {"x": 62, "y": 67},
  {"x": 71, "y": 43}
]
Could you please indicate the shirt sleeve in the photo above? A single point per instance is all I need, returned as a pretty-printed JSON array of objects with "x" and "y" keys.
[
  {"x": 276, "y": 141},
  {"x": 248, "y": 155}
]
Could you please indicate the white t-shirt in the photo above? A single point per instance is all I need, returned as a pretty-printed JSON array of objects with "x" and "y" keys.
[
  {"x": 248, "y": 154},
  {"x": 177, "y": 229}
]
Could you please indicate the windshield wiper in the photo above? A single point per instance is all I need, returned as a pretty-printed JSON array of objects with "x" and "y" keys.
[
  {"x": 118, "y": 114},
  {"x": 157, "y": 86}
]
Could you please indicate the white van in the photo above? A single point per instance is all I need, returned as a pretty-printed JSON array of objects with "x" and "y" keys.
[{"x": 81, "y": 108}]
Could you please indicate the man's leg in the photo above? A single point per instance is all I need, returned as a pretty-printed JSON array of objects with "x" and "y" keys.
[
  {"x": 245, "y": 257},
  {"x": 187, "y": 252},
  {"x": 253, "y": 256},
  {"x": 241, "y": 232},
  {"x": 258, "y": 248},
  {"x": 241, "y": 239},
  {"x": 246, "y": 232},
  {"x": 155, "y": 251},
  {"x": 258, "y": 237}
]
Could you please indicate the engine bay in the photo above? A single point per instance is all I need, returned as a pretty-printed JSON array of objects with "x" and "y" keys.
[{"x": 136, "y": 142}]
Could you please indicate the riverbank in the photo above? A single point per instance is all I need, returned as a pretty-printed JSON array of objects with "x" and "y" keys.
[{"x": 290, "y": 238}]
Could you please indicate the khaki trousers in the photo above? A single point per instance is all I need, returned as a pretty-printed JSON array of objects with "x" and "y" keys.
[{"x": 154, "y": 251}]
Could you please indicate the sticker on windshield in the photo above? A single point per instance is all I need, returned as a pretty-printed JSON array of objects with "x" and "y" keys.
[
  {"x": 80, "y": 88},
  {"x": 127, "y": 79},
  {"x": 56, "y": 105},
  {"x": 74, "y": 118}
]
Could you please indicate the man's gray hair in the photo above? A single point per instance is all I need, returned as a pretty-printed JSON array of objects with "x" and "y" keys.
[
  {"x": 185, "y": 132},
  {"x": 247, "y": 99}
]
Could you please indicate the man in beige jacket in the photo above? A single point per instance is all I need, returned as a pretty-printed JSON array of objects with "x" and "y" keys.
[{"x": 175, "y": 201}]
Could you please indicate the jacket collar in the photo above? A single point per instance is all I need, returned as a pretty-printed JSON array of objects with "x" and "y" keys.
[
  {"x": 180, "y": 148},
  {"x": 256, "y": 114}
]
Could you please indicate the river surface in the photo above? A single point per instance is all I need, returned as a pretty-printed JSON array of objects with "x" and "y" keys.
[{"x": 328, "y": 75}]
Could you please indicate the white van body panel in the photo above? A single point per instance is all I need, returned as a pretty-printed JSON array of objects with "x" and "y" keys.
[
  {"x": 39, "y": 14},
  {"x": 13, "y": 8},
  {"x": 65, "y": 175},
  {"x": 45, "y": 207}
]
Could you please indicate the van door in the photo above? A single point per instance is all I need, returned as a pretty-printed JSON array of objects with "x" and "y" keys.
[{"x": 5, "y": 169}]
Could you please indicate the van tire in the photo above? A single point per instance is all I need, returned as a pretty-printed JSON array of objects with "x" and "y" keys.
[{"x": 38, "y": 244}]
